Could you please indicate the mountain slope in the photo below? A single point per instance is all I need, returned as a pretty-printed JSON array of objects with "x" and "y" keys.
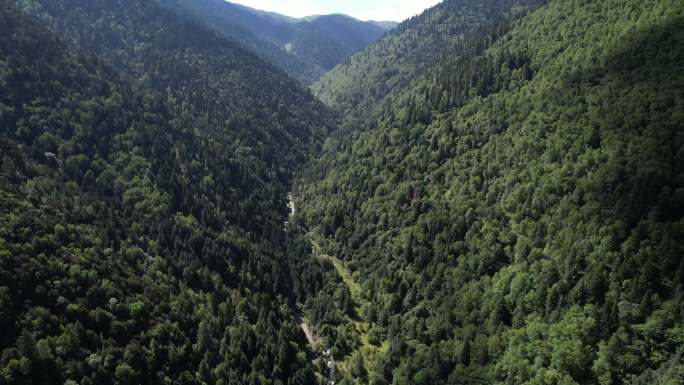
[
  {"x": 238, "y": 95},
  {"x": 407, "y": 52},
  {"x": 329, "y": 40},
  {"x": 142, "y": 200},
  {"x": 305, "y": 48},
  {"x": 515, "y": 215}
]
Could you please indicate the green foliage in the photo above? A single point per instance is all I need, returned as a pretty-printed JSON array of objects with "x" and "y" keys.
[
  {"x": 503, "y": 204},
  {"x": 513, "y": 212},
  {"x": 304, "y": 48},
  {"x": 144, "y": 164},
  {"x": 378, "y": 74}
]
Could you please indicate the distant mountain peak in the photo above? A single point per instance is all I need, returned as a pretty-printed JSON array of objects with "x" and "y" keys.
[
  {"x": 305, "y": 48},
  {"x": 384, "y": 24}
]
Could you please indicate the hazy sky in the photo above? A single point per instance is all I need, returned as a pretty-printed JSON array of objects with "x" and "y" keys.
[{"x": 395, "y": 10}]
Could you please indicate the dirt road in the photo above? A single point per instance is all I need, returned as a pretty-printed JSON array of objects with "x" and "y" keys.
[{"x": 308, "y": 333}]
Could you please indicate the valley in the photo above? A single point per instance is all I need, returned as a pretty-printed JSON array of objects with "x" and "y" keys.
[{"x": 205, "y": 193}]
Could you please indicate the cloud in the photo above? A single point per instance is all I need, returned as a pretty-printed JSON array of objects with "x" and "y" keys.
[{"x": 396, "y": 10}]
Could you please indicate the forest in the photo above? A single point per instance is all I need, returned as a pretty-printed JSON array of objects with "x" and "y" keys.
[
  {"x": 143, "y": 200},
  {"x": 491, "y": 193},
  {"x": 513, "y": 212}
]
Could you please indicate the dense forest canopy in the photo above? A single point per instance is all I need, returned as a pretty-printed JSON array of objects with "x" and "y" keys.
[
  {"x": 494, "y": 194},
  {"x": 412, "y": 50},
  {"x": 513, "y": 213},
  {"x": 145, "y": 165}
]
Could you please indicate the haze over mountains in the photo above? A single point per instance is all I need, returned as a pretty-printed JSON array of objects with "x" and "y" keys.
[
  {"x": 490, "y": 193},
  {"x": 305, "y": 47}
]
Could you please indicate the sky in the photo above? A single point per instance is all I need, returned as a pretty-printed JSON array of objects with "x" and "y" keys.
[{"x": 380, "y": 10}]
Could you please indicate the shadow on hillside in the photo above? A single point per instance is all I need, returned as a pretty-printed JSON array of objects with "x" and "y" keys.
[
  {"x": 641, "y": 123},
  {"x": 651, "y": 56}
]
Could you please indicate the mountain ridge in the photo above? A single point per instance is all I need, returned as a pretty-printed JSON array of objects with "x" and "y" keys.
[
  {"x": 306, "y": 48},
  {"x": 385, "y": 24},
  {"x": 375, "y": 74}
]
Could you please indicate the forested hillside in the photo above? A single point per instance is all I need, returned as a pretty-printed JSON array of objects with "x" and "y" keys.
[
  {"x": 198, "y": 70},
  {"x": 412, "y": 49},
  {"x": 513, "y": 210},
  {"x": 330, "y": 39},
  {"x": 305, "y": 48},
  {"x": 144, "y": 168},
  {"x": 501, "y": 203}
]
